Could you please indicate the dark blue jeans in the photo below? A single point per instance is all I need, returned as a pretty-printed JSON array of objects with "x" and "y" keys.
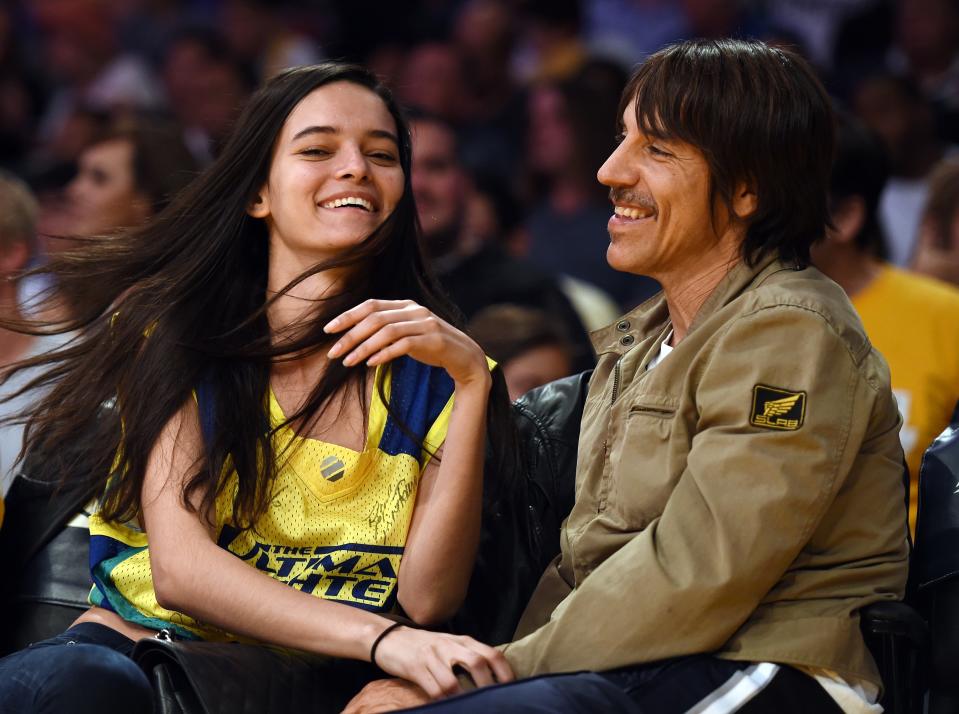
[
  {"x": 696, "y": 683},
  {"x": 85, "y": 670}
]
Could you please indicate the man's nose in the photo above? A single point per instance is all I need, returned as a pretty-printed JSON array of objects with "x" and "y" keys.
[{"x": 615, "y": 171}]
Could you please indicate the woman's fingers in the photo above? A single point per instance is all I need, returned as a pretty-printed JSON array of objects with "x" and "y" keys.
[
  {"x": 372, "y": 322},
  {"x": 382, "y": 330},
  {"x": 494, "y": 659},
  {"x": 442, "y": 672},
  {"x": 354, "y": 315},
  {"x": 429, "y": 659},
  {"x": 477, "y": 667}
]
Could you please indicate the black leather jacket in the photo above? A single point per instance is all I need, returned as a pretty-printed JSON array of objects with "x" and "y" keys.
[{"x": 520, "y": 534}]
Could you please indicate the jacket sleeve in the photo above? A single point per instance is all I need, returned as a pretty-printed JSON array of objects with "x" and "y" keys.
[{"x": 744, "y": 506}]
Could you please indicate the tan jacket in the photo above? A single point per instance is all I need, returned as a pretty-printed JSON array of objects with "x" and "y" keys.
[{"x": 745, "y": 497}]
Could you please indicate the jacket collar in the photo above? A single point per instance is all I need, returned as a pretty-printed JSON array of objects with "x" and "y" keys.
[{"x": 653, "y": 314}]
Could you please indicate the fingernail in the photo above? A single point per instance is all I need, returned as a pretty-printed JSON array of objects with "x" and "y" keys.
[
  {"x": 349, "y": 360},
  {"x": 334, "y": 350},
  {"x": 331, "y": 325}
]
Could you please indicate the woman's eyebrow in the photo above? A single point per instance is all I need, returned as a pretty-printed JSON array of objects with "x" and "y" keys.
[{"x": 375, "y": 133}]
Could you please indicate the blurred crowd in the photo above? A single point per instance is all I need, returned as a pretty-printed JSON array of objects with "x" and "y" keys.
[{"x": 108, "y": 107}]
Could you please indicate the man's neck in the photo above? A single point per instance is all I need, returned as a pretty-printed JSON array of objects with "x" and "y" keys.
[
  {"x": 853, "y": 270},
  {"x": 686, "y": 293}
]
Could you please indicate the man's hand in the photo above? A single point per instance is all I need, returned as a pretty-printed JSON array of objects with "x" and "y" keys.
[{"x": 386, "y": 695}]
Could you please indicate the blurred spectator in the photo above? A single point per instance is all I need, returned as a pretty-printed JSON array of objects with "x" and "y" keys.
[
  {"x": 894, "y": 108},
  {"x": 938, "y": 251},
  {"x": 571, "y": 133},
  {"x": 910, "y": 319},
  {"x": 630, "y": 30},
  {"x": 475, "y": 271},
  {"x": 816, "y": 23},
  {"x": 258, "y": 36},
  {"x": 530, "y": 348},
  {"x": 18, "y": 212},
  {"x": 433, "y": 81},
  {"x": 550, "y": 48},
  {"x": 493, "y": 130},
  {"x": 81, "y": 54},
  {"x": 206, "y": 87},
  {"x": 927, "y": 49},
  {"x": 127, "y": 176},
  {"x": 20, "y": 96}
]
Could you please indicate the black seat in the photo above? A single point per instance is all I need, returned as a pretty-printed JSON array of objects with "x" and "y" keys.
[{"x": 936, "y": 566}]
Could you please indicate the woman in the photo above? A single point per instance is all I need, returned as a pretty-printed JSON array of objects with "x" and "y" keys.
[{"x": 283, "y": 370}]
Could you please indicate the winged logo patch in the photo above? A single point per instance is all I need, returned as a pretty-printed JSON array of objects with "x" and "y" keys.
[{"x": 775, "y": 408}]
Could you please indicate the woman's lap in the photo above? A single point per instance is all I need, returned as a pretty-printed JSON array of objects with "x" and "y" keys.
[{"x": 85, "y": 669}]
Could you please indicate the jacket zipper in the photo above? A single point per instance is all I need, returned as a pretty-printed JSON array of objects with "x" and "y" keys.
[{"x": 615, "y": 382}]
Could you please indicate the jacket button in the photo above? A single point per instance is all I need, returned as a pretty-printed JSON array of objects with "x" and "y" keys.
[
  {"x": 623, "y": 326},
  {"x": 627, "y": 340}
]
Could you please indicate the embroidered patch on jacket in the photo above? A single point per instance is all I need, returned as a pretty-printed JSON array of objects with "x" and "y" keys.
[{"x": 777, "y": 408}]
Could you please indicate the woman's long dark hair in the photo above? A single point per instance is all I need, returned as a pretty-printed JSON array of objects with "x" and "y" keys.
[{"x": 182, "y": 301}]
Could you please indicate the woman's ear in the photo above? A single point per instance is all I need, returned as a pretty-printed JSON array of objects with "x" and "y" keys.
[
  {"x": 259, "y": 207},
  {"x": 745, "y": 201}
]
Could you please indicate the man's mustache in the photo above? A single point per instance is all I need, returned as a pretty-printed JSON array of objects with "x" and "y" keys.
[{"x": 631, "y": 198}]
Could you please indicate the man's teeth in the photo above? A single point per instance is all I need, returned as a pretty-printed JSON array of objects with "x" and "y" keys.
[
  {"x": 627, "y": 212},
  {"x": 349, "y": 201}
]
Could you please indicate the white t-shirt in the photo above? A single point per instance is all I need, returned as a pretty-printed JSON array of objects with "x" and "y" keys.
[{"x": 11, "y": 435}]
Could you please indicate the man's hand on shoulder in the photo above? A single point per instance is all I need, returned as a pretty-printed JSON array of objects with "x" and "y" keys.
[{"x": 386, "y": 695}]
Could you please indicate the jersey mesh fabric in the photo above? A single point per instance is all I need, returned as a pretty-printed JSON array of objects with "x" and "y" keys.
[{"x": 338, "y": 520}]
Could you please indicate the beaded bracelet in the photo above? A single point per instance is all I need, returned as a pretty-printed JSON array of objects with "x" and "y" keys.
[{"x": 379, "y": 638}]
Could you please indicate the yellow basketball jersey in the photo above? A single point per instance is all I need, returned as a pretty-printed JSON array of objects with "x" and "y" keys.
[
  {"x": 914, "y": 323},
  {"x": 338, "y": 520}
]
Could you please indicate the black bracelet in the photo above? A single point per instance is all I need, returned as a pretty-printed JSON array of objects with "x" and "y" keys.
[{"x": 379, "y": 638}]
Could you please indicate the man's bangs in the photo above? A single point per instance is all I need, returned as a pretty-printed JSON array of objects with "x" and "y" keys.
[{"x": 662, "y": 106}]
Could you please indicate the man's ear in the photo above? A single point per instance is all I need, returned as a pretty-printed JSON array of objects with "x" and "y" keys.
[
  {"x": 745, "y": 201},
  {"x": 848, "y": 217},
  {"x": 259, "y": 207},
  {"x": 14, "y": 257}
]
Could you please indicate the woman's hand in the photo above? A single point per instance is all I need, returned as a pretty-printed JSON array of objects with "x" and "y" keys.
[
  {"x": 427, "y": 659},
  {"x": 382, "y": 330}
]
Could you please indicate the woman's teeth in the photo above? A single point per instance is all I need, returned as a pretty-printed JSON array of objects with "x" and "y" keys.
[{"x": 349, "y": 201}]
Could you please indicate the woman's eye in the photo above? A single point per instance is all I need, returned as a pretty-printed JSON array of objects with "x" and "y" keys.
[
  {"x": 383, "y": 156},
  {"x": 315, "y": 152},
  {"x": 656, "y": 151}
]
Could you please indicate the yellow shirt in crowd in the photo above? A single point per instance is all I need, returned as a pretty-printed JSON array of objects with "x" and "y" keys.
[{"x": 914, "y": 322}]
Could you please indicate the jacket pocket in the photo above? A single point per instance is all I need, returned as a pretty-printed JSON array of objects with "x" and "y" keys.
[{"x": 641, "y": 477}]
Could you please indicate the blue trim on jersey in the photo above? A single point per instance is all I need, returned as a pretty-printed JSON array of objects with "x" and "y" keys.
[
  {"x": 418, "y": 393},
  {"x": 105, "y": 548}
]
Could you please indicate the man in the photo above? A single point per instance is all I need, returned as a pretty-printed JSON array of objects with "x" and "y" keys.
[
  {"x": 910, "y": 319},
  {"x": 895, "y": 109},
  {"x": 739, "y": 492},
  {"x": 475, "y": 272},
  {"x": 18, "y": 213}
]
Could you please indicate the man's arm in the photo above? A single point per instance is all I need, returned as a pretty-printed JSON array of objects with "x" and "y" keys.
[{"x": 746, "y": 503}]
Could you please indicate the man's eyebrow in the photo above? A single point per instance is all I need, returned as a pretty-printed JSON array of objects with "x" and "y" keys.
[{"x": 375, "y": 133}]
